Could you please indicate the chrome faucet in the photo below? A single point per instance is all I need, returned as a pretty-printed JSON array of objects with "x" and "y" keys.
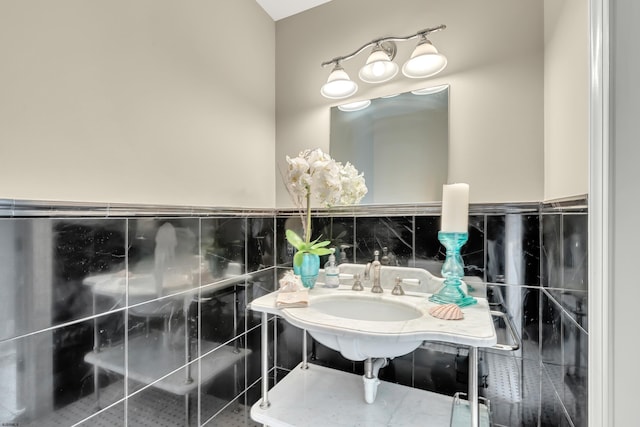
[
  {"x": 375, "y": 264},
  {"x": 366, "y": 277}
]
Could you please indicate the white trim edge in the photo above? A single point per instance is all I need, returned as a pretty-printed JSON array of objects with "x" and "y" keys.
[{"x": 600, "y": 400}]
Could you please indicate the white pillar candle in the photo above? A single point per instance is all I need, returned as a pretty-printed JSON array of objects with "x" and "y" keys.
[{"x": 455, "y": 208}]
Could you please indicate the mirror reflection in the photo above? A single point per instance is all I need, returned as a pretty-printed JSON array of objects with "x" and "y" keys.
[{"x": 400, "y": 143}]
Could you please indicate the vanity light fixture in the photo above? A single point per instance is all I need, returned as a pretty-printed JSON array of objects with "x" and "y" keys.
[{"x": 425, "y": 61}]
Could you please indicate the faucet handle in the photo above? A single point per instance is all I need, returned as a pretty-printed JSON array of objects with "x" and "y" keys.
[
  {"x": 357, "y": 285},
  {"x": 397, "y": 289}
]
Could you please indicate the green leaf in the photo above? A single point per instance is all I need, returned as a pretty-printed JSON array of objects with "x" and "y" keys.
[
  {"x": 321, "y": 251},
  {"x": 295, "y": 240},
  {"x": 321, "y": 244},
  {"x": 297, "y": 258}
]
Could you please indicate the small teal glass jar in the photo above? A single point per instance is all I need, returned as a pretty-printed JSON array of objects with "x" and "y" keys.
[{"x": 309, "y": 269}]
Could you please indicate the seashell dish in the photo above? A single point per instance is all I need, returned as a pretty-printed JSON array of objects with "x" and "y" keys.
[{"x": 447, "y": 312}]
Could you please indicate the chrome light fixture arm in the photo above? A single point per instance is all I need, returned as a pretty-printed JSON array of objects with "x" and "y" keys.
[{"x": 385, "y": 43}]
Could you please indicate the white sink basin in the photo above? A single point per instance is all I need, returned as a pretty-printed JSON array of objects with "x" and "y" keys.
[
  {"x": 361, "y": 324},
  {"x": 357, "y": 307}
]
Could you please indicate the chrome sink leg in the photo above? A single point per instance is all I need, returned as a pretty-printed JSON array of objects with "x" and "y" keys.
[
  {"x": 264, "y": 329},
  {"x": 305, "y": 365},
  {"x": 473, "y": 386}
]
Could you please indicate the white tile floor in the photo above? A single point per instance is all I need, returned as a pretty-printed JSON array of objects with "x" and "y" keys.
[{"x": 151, "y": 408}]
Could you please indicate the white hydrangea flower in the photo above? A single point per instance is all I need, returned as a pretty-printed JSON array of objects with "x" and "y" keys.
[
  {"x": 314, "y": 174},
  {"x": 353, "y": 185},
  {"x": 298, "y": 177}
]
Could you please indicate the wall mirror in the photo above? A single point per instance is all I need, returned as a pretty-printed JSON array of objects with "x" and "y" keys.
[{"x": 399, "y": 142}]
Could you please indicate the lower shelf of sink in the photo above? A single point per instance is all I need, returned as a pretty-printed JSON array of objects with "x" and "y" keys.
[{"x": 321, "y": 396}]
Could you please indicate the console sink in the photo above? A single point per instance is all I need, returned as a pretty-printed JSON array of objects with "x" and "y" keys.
[{"x": 362, "y": 325}]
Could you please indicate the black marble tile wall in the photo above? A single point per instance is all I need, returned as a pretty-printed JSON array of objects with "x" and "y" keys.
[
  {"x": 152, "y": 310},
  {"x": 564, "y": 256},
  {"x": 64, "y": 303},
  {"x": 390, "y": 236}
]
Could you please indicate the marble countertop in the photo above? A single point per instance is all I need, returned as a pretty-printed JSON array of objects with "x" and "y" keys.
[{"x": 476, "y": 329}]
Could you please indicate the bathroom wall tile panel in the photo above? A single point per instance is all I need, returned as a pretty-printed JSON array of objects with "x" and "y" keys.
[
  {"x": 576, "y": 304},
  {"x": 163, "y": 257},
  {"x": 575, "y": 364},
  {"x": 73, "y": 372},
  {"x": 44, "y": 264},
  {"x": 223, "y": 246},
  {"x": 552, "y": 412},
  {"x": 551, "y": 251},
  {"x": 289, "y": 348},
  {"x": 513, "y": 390},
  {"x": 531, "y": 246},
  {"x": 550, "y": 330},
  {"x": 339, "y": 230},
  {"x": 428, "y": 253},
  {"x": 473, "y": 251},
  {"x": 253, "y": 341},
  {"x": 575, "y": 271},
  {"x": 284, "y": 251},
  {"x": 440, "y": 368},
  {"x": 513, "y": 249},
  {"x": 530, "y": 333},
  {"x": 9, "y": 399},
  {"x": 552, "y": 346},
  {"x": 495, "y": 255},
  {"x": 261, "y": 283},
  {"x": 376, "y": 233},
  {"x": 522, "y": 305},
  {"x": 44, "y": 376},
  {"x": 260, "y": 243},
  {"x": 157, "y": 340},
  {"x": 399, "y": 370},
  {"x": 226, "y": 386},
  {"x": 221, "y": 316}
]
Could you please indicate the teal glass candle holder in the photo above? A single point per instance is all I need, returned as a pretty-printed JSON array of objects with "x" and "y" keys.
[{"x": 452, "y": 271}]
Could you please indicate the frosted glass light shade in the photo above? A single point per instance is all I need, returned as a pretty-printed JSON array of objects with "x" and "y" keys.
[
  {"x": 378, "y": 68},
  {"x": 338, "y": 85},
  {"x": 425, "y": 61}
]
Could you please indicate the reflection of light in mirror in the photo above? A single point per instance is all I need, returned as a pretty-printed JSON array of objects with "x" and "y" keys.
[
  {"x": 430, "y": 90},
  {"x": 355, "y": 106}
]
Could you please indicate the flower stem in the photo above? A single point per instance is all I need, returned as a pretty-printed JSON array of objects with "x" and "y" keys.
[{"x": 308, "y": 228}]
